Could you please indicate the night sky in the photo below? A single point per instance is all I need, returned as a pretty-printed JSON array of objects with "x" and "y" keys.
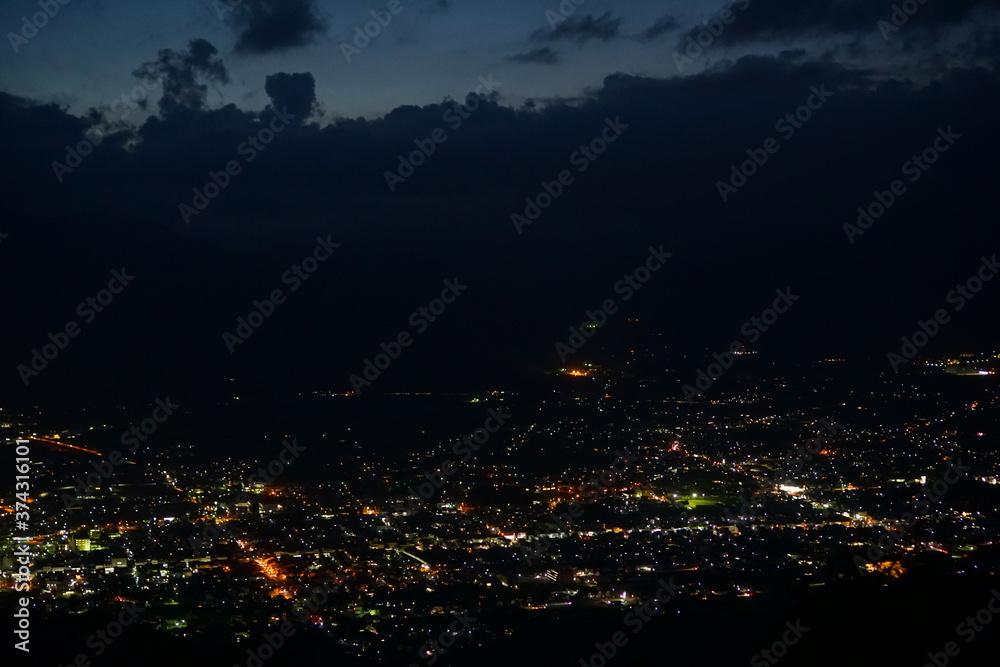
[{"x": 835, "y": 98}]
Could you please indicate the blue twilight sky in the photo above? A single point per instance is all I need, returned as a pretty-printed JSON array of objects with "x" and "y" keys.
[{"x": 86, "y": 54}]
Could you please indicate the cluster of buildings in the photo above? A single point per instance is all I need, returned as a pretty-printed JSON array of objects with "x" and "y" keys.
[{"x": 717, "y": 496}]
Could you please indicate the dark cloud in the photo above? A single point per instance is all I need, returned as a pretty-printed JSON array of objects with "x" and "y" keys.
[
  {"x": 765, "y": 20},
  {"x": 274, "y": 25},
  {"x": 662, "y": 26},
  {"x": 296, "y": 92},
  {"x": 499, "y": 152},
  {"x": 983, "y": 46},
  {"x": 656, "y": 184},
  {"x": 543, "y": 56},
  {"x": 581, "y": 29},
  {"x": 178, "y": 72}
]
